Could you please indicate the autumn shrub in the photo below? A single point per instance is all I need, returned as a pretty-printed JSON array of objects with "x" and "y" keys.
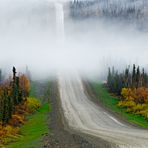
[
  {"x": 129, "y": 103},
  {"x": 135, "y": 100},
  {"x": 8, "y": 130},
  {"x": 139, "y": 95},
  {"x": 11, "y": 129},
  {"x": 21, "y": 109},
  {"x": 15, "y": 104},
  {"x": 144, "y": 113},
  {"x": 17, "y": 120},
  {"x": 137, "y": 108},
  {"x": 126, "y": 93},
  {"x": 32, "y": 104}
]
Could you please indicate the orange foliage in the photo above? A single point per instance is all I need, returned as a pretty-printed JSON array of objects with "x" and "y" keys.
[
  {"x": 24, "y": 84},
  {"x": 13, "y": 108},
  {"x": 142, "y": 95},
  {"x": 139, "y": 95},
  {"x": 28, "y": 106},
  {"x": 17, "y": 120},
  {"x": 135, "y": 100}
]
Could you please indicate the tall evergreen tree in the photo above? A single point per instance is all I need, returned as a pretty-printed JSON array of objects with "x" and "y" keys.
[
  {"x": 127, "y": 77},
  {"x": 137, "y": 77},
  {"x": 134, "y": 76},
  {"x": 14, "y": 87}
]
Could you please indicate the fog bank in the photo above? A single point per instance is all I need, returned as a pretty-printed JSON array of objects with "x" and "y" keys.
[{"x": 42, "y": 35}]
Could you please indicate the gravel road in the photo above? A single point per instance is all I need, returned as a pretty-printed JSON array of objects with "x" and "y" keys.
[{"x": 85, "y": 116}]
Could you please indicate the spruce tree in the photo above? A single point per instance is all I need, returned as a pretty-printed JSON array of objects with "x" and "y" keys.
[
  {"x": 14, "y": 87},
  {"x": 1, "y": 106},
  {"x": 137, "y": 77},
  {"x": 126, "y": 81},
  {"x": 5, "y": 117},
  {"x": 134, "y": 76}
]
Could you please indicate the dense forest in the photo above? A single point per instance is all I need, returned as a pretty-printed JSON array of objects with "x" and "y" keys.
[
  {"x": 12, "y": 92},
  {"x": 132, "y": 87},
  {"x": 134, "y": 78},
  {"x": 128, "y": 10},
  {"x": 15, "y": 104}
]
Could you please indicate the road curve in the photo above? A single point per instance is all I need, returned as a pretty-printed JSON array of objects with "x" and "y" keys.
[{"x": 87, "y": 117}]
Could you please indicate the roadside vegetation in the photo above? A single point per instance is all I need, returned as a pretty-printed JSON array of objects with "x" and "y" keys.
[
  {"x": 126, "y": 93},
  {"x": 22, "y": 116},
  {"x": 33, "y": 130},
  {"x": 111, "y": 101}
]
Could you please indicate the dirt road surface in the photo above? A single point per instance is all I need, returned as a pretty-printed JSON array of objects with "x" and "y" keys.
[{"x": 85, "y": 116}]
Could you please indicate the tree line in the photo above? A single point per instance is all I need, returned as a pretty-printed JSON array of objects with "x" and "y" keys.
[
  {"x": 132, "y": 86},
  {"x": 13, "y": 92},
  {"x": 134, "y": 78},
  {"x": 108, "y": 8}
]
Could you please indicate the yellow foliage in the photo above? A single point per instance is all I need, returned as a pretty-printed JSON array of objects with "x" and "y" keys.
[
  {"x": 144, "y": 113},
  {"x": 129, "y": 110},
  {"x": 129, "y": 103},
  {"x": 137, "y": 108},
  {"x": 135, "y": 100},
  {"x": 139, "y": 95},
  {"x": 8, "y": 130},
  {"x": 11, "y": 130},
  {"x": 125, "y": 92},
  {"x": 32, "y": 104},
  {"x": 120, "y": 103},
  {"x": 130, "y": 98}
]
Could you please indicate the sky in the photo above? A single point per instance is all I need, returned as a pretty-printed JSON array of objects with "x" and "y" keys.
[{"x": 42, "y": 35}]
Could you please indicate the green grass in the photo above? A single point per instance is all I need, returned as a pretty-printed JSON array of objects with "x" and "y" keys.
[
  {"x": 111, "y": 102},
  {"x": 33, "y": 130}
]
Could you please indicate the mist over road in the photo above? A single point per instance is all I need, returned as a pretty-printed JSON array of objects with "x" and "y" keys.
[{"x": 84, "y": 116}]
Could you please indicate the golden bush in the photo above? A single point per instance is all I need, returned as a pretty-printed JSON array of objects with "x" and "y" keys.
[
  {"x": 129, "y": 103},
  {"x": 144, "y": 113},
  {"x": 32, "y": 104},
  {"x": 8, "y": 130}
]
